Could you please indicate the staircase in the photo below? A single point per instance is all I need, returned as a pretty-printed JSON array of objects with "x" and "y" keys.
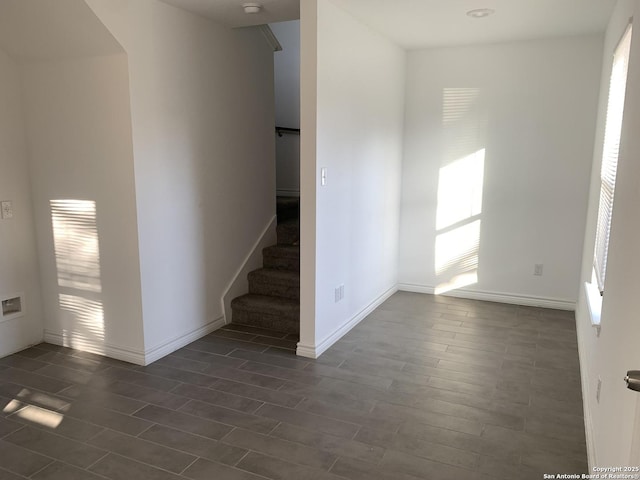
[{"x": 273, "y": 301}]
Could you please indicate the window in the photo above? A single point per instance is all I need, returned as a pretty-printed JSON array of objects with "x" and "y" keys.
[{"x": 613, "y": 129}]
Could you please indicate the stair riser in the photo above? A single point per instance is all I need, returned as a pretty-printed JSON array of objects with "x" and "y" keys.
[
  {"x": 281, "y": 323},
  {"x": 289, "y": 213},
  {"x": 281, "y": 263},
  {"x": 260, "y": 287},
  {"x": 287, "y": 235},
  {"x": 287, "y": 208}
]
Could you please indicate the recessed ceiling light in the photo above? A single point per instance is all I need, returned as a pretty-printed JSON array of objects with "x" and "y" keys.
[
  {"x": 480, "y": 12},
  {"x": 250, "y": 8}
]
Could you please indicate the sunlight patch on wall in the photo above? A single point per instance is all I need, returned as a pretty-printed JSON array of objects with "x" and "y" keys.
[
  {"x": 462, "y": 122},
  {"x": 75, "y": 237},
  {"x": 88, "y": 314},
  {"x": 460, "y": 189},
  {"x": 77, "y": 252},
  {"x": 457, "y": 257}
]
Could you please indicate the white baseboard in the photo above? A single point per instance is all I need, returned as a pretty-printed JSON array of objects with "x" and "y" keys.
[
  {"x": 156, "y": 353},
  {"x": 86, "y": 344},
  {"x": 314, "y": 351},
  {"x": 526, "y": 300},
  {"x": 307, "y": 351},
  {"x": 239, "y": 284}
]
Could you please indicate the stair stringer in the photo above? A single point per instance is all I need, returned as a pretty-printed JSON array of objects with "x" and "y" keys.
[{"x": 239, "y": 284}]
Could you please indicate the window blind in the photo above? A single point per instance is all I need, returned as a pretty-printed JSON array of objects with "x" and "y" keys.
[{"x": 613, "y": 130}]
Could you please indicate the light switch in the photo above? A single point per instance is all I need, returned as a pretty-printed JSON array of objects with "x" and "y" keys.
[
  {"x": 7, "y": 210},
  {"x": 323, "y": 176}
]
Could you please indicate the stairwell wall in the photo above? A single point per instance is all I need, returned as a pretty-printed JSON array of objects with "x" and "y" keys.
[
  {"x": 203, "y": 114},
  {"x": 358, "y": 104},
  {"x": 287, "y": 98}
]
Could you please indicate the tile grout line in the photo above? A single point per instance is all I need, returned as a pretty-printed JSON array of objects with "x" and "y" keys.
[{"x": 107, "y": 452}]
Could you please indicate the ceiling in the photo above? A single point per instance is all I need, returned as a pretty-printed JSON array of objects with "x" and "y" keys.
[
  {"x": 416, "y": 24},
  {"x": 230, "y": 12},
  {"x": 428, "y": 23},
  {"x": 44, "y": 30}
]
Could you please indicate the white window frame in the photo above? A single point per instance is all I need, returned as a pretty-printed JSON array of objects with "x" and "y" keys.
[{"x": 608, "y": 172}]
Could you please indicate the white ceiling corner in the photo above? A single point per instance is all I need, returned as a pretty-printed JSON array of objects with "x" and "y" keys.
[
  {"x": 231, "y": 13},
  {"x": 415, "y": 24}
]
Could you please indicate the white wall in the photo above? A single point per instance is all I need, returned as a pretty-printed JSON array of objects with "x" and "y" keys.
[
  {"x": 203, "y": 116},
  {"x": 79, "y": 131},
  {"x": 527, "y": 111},
  {"x": 610, "y": 423},
  {"x": 359, "y": 111},
  {"x": 287, "y": 98},
  {"x": 287, "y": 73},
  {"x": 18, "y": 258}
]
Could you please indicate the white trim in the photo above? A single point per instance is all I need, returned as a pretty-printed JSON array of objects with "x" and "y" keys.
[
  {"x": 86, "y": 344},
  {"x": 586, "y": 404},
  {"x": 314, "y": 351},
  {"x": 251, "y": 261},
  {"x": 308, "y": 351},
  {"x": 164, "y": 349},
  {"x": 527, "y": 300},
  {"x": 288, "y": 192},
  {"x": 594, "y": 303}
]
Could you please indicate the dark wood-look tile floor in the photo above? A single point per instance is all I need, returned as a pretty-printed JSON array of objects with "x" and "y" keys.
[{"x": 424, "y": 388}]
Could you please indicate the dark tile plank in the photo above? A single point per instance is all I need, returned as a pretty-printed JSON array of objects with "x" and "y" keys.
[
  {"x": 184, "y": 422},
  {"x": 308, "y": 420},
  {"x": 38, "y": 381},
  {"x": 21, "y": 461},
  {"x": 116, "y": 467},
  {"x": 56, "y": 422},
  {"x": 217, "y": 397},
  {"x": 206, "y": 470},
  {"x": 146, "y": 395},
  {"x": 291, "y": 361},
  {"x": 194, "y": 444},
  {"x": 108, "y": 418},
  {"x": 62, "y": 471},
  {"x": 22, "y": 362},
  {"x": 102, "y": 398},
  {"x": 7, "y": 475},
  {"x": 229, "y": 417},
  {"x": 328, "y": 443},
  {"x": 143, "y": 451},
  {"x": 283, "y": 449},
  {"x": 275, "y": 397},
  {"x": 278, "y": 469},
  {"x": 55, "y": 446}
]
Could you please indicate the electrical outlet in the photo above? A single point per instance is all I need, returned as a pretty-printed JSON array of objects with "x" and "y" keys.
[
  {"x": 7, "y": 210},
  {"x": 537, "y": 269},
  {"x": 339, "y": 293},
  {"x": 598, "y": 389}
]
